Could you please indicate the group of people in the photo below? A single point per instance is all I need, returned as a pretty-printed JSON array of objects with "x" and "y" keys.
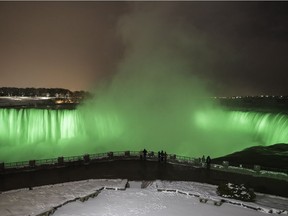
[
  {"x": 205, "y": 161},
  {"x": 162, "y": 156}
]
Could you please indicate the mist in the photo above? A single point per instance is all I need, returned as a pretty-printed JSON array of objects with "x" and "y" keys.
[{"x": 154, "y": 99}]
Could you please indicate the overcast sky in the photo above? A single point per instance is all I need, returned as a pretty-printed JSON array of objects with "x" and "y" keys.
[{"x": 236, "y": 48}]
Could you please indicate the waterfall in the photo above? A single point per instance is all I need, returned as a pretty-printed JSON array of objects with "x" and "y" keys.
[
  {"x": 39, "y": 125},
  {"x": 269, "y": 128},
  {"x": 43, "y": 133}
]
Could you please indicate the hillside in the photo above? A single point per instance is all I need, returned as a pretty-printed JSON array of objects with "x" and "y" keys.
[{"x": 274, "y": 156}]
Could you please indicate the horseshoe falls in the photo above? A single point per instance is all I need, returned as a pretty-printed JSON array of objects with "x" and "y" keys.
[{"x": 42, "y": 133}]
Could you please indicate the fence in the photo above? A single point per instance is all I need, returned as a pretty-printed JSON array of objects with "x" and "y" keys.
[
  {"x": 89, "y": 158},
  {"x": 138, "y": 155}
]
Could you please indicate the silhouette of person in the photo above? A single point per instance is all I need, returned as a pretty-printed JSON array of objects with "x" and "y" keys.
[
  {"x": 165, "y": 156},
  {"x": 159, "y": 156},
  {"x": 208, "y": 162},
  {"x": 203, "y": 159},
  {"x": 162, "y": 155},
  {"x": 144, "y": 153}
]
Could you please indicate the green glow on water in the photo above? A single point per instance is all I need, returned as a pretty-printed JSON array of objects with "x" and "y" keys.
[
  {"x": 234, "y": 130},
  {"x": 38, "y": 133}
]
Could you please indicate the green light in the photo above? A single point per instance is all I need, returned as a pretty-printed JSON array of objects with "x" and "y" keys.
[{"x": 36, "y": 133}]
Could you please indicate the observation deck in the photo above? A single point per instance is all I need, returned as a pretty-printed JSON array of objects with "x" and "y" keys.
[{"x": 132, "y": 165}]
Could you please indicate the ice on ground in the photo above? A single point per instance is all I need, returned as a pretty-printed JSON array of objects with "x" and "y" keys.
[
  {"x": 145, "y": 202},
  {"x": 263, "y": 202},
  {"x": 40, "y": 199},
  {"x": 192, "y": 187},
  {"x": 141, "y": 198}
]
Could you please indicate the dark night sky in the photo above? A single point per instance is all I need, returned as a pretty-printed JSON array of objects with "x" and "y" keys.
[{"x": 242, "y": 49}]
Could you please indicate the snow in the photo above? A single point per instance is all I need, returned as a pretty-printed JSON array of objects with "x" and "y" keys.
[
  {"x": 146, "y": 202},
  {"x": 41, "y": 199},
  {"x": 264, "y": 203},
  {"x": 141, "y": 198},
  {"x": 262, "y": 173}
]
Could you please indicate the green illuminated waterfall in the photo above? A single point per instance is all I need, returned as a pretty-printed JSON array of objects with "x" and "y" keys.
[{"x": 39, "y": 133}]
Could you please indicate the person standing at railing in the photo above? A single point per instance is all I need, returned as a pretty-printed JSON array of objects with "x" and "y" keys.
[
  {"x": 203, "y": 161},
  {"x": 199, "y": 161},
  {"x": 144, "y": 154},
  {"x": 208, "y": 162},
  {"x": 162, "y": 155},
  {"x": 159, "y": 156}
]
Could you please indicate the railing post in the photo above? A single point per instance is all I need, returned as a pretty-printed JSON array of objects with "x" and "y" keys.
[
  {"x": 32, "y": 163},
  {"x": 225, "y": 164},
  {"x": 86, "y": 158},
  {"x": 110, "y": 155},
  {"x": 257, "y": 168},
  {"x": 127, "y": 153},
  {"x": 60, "y": 160}
]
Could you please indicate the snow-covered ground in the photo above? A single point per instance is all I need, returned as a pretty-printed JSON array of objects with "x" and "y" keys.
[
  {"x": 33, "y": 202},
  {"x": 141, "y": 198}
]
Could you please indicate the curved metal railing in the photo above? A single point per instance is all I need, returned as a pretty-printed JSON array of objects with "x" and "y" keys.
[
  {"x": 89, "y": 158},
  {"x": 138, "y": 155}
]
